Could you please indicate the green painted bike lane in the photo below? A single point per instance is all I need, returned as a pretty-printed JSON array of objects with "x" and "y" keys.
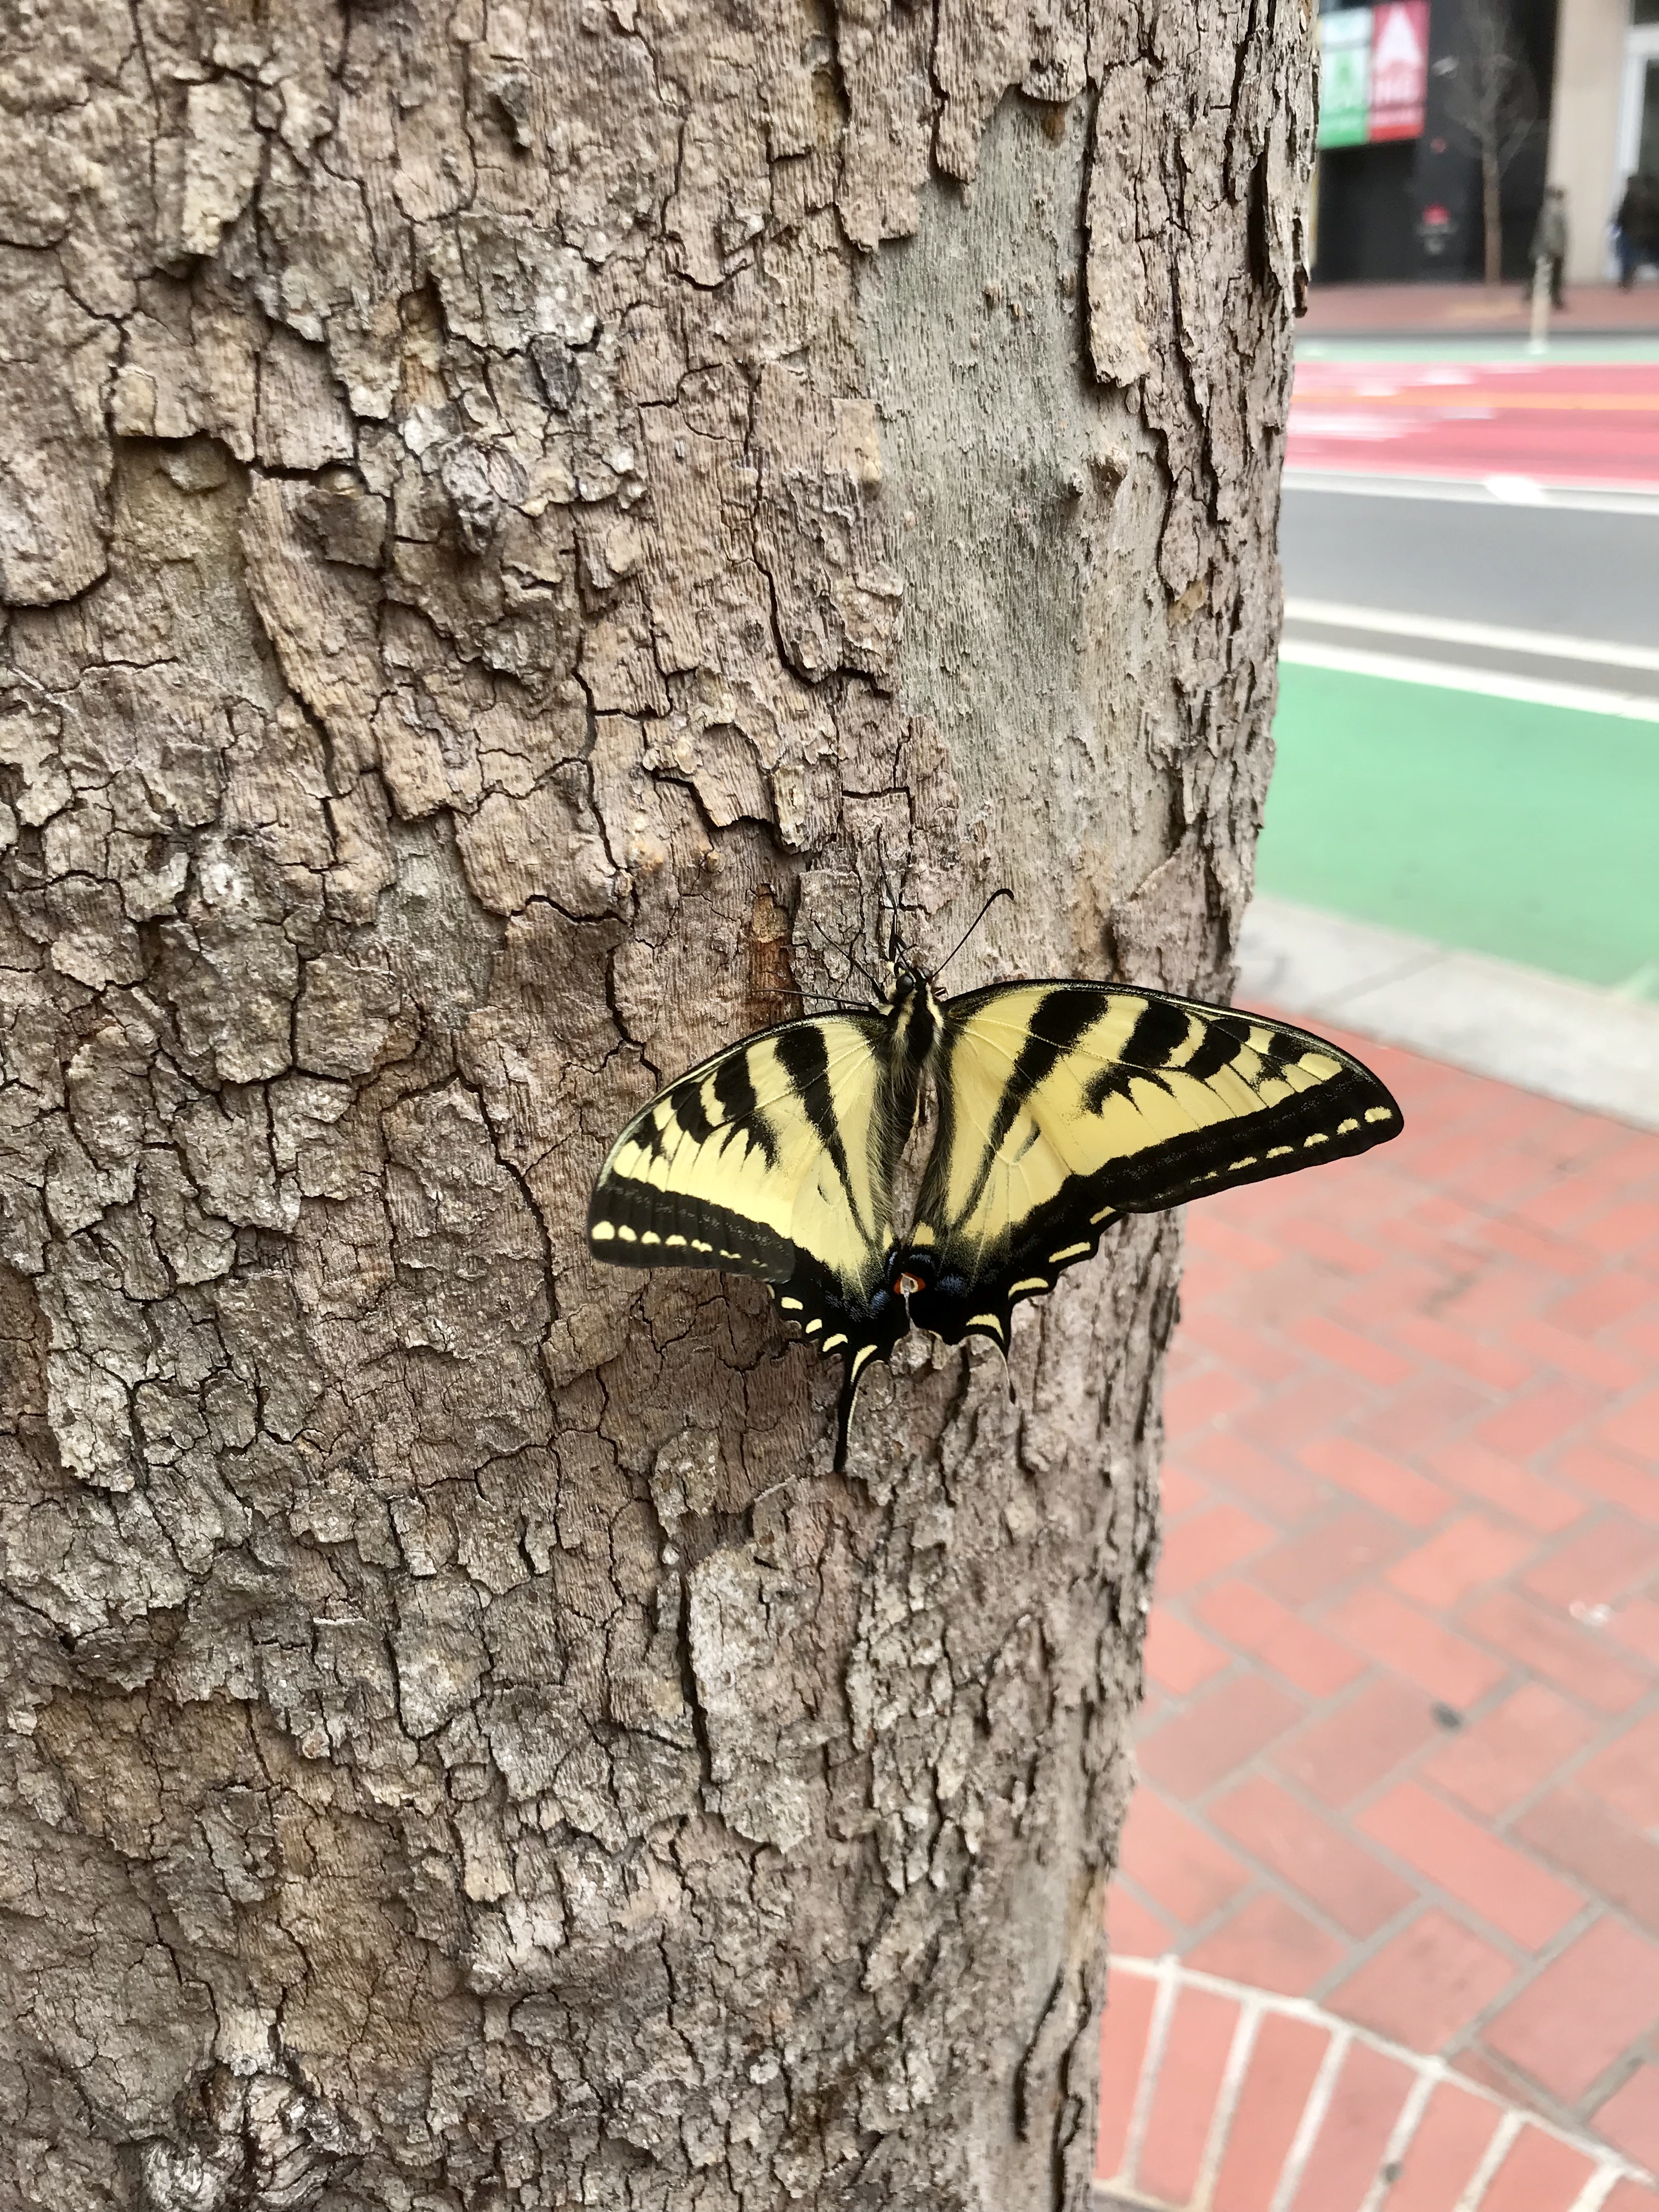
[{"x": 1528, "y": 831}]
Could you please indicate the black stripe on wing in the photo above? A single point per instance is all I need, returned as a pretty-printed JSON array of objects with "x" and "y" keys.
[
  {"x": 637, "y": 1218},
  {"x": 1068, "y": 1227},
  {"x": 802, "y": 1053},
  {"x": 635, "y": 1224},
  {"x": 1342, "y": 1115},
  {"x": 1057, "y": 1022}
]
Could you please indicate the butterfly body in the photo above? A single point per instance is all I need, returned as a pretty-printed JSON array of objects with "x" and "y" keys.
[{"x": 1061, "y": 1106}]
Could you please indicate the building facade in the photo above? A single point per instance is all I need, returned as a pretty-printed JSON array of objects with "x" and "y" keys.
[
  {"x": 1604, "y": 125},
  {"x": 1421, "y": 99}
]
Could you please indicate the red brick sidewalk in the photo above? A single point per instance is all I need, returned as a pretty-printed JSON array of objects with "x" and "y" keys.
[
  {"x": 1472, "y": 310},
  {"x": 1400, "y": 1746},
  {"x": 1219, "y": 2098}
]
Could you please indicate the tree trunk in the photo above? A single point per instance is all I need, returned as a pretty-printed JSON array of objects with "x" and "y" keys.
[
  {"x": 1492, "y": 212},
  {"x": 508, "y": 510}
]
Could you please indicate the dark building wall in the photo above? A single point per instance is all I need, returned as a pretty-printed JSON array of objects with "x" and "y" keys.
[
  {"x": 1368, "y": 215},
  {"x": 1373, "y": 199}
]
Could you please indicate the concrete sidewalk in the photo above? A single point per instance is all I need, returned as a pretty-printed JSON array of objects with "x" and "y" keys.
[
  {"x": 1399, "y": 1752},
  {"x": 1599, "y": 1049}
]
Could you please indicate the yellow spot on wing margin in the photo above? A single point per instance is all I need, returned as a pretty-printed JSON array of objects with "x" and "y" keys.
[
  {"x": 831, "y": 1342},
  {"x": 603, "y": 1232},
  {"x": 1072, "y": 1252},
  {"x": 1031, "y": 1283},
  {"x": 866, "y": 1351},
  {"x": 987, "y": 1321}
]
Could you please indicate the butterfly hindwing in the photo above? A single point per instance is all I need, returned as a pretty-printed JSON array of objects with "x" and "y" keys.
[
  {"x": 1063, "y": 1105},
  {"x": 771, "y": 1160}
]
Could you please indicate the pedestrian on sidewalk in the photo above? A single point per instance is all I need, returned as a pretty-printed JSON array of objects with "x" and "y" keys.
[
  {"x": 1549, "y": 242},
  {"x": 1638, "y": 221}
]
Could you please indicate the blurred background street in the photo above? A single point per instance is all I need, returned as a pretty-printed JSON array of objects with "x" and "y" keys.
[
  {"x": 1396, "y": 1834},
  {"x": 1400, "y": 1753},
  {"x": 1469, "y": 685}
]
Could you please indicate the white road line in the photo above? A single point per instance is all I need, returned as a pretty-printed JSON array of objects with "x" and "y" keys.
[
  {"x": 1429, "y": 2073},
  {"x": 1151, "y": 2064},
  {"x": 1496, "y": 2152},
  {"x": 1549, "y": 645},
  {"x": 1449, "y": 676},
  {"x": 1596, "y": 2191},
  {"x": 1400, "y": 2138},
  {"x": 1226, "y": 2103},
  {"x": 1313, "y": 2118}
]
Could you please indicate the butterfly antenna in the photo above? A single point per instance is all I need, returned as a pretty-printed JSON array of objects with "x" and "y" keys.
[
  {"x": 1004, "y": 893},
  {"x": 807, "y": 998},
  {"x": 852, "y": 960},
  {"x": 859, "y": 969}
]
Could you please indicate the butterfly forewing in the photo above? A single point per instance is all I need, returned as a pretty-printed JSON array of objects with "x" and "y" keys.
[
  {"x": 1067, "y": 1104},
  {"x": 772, "y": 1159},
  {"x": 759, "y": 1151}
]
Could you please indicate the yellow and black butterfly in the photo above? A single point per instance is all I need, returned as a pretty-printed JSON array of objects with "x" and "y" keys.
[{"x": 1061, "y": 1106}]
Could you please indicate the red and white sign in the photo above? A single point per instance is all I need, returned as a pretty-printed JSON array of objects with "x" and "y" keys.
[{"x": 1400, "y": 69}]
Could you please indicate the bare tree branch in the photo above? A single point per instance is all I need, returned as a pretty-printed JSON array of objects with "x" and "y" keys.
[{"x": 1492, "y": 105}]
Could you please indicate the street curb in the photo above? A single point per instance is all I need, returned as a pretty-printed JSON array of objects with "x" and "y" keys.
[{"x": 1568, "y": 1040}]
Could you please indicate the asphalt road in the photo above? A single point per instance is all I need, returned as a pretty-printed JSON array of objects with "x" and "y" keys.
[{"x": 1577, "y": 574}]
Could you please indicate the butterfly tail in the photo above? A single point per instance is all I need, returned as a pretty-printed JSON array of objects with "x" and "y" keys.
[
  {"x": 860, "y": 1358},
  {"x": 849, "y": 1391}
]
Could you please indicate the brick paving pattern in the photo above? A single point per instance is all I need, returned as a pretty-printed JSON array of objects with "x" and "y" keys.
[
  {"x": 1227, "y": 2099},
  {"x": 1400, "y": 1752}
]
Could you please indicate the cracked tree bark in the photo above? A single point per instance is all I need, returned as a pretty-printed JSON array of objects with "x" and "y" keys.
[{"x": 501, "y": 507}]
